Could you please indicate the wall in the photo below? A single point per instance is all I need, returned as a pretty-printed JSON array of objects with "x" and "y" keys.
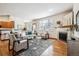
[
  {"x": 21, "y": 23},
  {"x": 28, "y": 26},
  {"x": 75, "y": 9},
  {"x": 53, "y": 19},
  {"x": 18, "y": 21}
]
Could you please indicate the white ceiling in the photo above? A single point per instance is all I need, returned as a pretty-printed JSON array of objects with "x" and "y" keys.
[{"x": 29, "y": 11}]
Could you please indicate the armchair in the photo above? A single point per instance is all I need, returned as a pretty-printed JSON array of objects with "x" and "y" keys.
[{"x": 18, "y": 43}]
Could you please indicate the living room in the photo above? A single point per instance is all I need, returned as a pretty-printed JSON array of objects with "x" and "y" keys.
[{"x": 38, "y": 29}]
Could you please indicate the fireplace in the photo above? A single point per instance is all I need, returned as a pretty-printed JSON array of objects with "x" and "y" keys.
[{"x": 63, "y": 36}]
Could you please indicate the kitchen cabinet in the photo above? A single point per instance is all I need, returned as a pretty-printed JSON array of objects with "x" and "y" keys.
[{"x": 6, "y": 24}]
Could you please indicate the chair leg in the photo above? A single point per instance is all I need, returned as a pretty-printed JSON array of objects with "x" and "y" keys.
[
  {"x": 14, "y": 53},
  {"x": 27, "y": 44}
]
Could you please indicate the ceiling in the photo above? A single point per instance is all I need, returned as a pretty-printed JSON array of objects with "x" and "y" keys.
[{"x": 29, "y": 11}]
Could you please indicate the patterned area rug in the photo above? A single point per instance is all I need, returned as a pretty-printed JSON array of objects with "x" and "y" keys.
[{"x": 36, "y": 47}]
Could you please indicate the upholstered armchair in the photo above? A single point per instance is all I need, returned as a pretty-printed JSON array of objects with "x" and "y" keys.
[{"x": 18, "y": 43}]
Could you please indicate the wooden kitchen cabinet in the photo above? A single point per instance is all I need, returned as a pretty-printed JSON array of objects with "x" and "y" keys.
[
  {"x": 6, "y": 24},
  {"x": 10, "y": 24}
]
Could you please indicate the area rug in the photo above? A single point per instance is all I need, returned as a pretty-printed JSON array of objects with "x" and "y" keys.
[{"x": 36, "y": 47}]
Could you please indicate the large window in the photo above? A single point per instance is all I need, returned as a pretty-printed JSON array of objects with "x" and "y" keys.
[{"x": 44, "y": 24}]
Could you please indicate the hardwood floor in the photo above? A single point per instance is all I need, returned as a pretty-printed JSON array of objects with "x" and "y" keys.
[
  {"x": 59, "y": 48},
  {"x": 73, "y": 46},
  {"x": 4, "y": 48}
]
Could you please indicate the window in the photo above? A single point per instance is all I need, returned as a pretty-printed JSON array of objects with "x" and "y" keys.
[{"x": 44, "y": 24}]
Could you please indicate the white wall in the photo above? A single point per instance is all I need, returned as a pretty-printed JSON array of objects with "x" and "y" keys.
[
  {"x": 28, "y": 26},
  {"x": 18, "y": 21},
  {"x": 53, "y": 19},
  {"x": 75, "y": 9}
]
